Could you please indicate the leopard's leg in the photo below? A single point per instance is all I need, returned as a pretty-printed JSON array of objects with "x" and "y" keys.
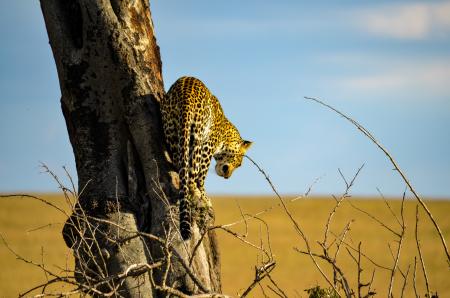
[
  {"x": 194, "y": 167},
  {"x": 206, "y": 154},
  {"x": 171, "y": 131},
  {"x": 205, "y": 213},
  {"x": 204, "y": 166}
]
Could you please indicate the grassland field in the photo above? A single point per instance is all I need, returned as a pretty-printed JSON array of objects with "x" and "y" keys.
[{"x": 33, "y": 230}]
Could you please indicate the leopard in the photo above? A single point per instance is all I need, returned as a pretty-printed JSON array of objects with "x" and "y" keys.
[{"x": 196, "y": 130}]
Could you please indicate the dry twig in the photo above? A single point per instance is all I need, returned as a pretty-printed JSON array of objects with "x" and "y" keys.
[
  {"x": 397, "y": 168},
  {"x": 422, "y": 262},
  {"x": 260, "y": 273},
  {"x": 295, "y": 224}
]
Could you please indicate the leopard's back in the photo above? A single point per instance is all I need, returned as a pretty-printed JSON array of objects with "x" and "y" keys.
[
  {"x": 195, "y": 130},
  {"x": 186, "y": 107}
]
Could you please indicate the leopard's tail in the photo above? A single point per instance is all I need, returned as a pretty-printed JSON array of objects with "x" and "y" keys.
[
  {"x": 185, "y": 208},
  {"x": 185, "y": 218}
]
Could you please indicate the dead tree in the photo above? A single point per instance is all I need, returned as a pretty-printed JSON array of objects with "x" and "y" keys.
[{"x": 109, "y": 71}]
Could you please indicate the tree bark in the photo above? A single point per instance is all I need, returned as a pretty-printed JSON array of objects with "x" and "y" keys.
[{"x": 109, "y": 71}]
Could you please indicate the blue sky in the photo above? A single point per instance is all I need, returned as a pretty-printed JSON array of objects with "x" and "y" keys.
[{"x": 384, "y": 63}]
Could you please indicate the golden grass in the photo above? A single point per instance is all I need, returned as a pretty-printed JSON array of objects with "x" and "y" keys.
[
  {"x": 24, "y": 225},
  {"x": 294, "y": 272}
]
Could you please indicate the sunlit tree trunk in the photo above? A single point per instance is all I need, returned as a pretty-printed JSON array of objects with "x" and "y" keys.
[{"x": 109, "y": 71}]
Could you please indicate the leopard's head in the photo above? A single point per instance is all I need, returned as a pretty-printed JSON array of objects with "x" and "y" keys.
[{"x": 230, "y": 157}]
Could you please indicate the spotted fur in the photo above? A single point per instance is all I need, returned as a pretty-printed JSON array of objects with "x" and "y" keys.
[{"x": 196, "y": 130}]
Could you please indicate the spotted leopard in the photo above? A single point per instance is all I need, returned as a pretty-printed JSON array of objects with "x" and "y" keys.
[{"x": 196, "y": 130}]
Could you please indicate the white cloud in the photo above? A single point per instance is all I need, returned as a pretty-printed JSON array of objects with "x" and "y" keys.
[
  {"x": 407, "y": 21},
  {"x": 430, "y": 77}
]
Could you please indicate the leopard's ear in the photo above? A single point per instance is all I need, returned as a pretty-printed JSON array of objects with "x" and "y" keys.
[{"x": 246, "y": 144}]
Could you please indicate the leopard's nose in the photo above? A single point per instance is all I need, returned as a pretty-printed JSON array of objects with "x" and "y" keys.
[{"x": 225, "y": 169}]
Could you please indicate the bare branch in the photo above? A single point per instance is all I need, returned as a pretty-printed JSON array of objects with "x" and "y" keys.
[
  {"x": 422, "y": 262},
  {"x": 375, "y": 219},
  {"x": 366, "y": 256},
  {"x": 260, "y": 273},
  {"x": 397, "y": 168},
  {"x": 339, "y": 201},
  {"x": 294, "y": 222},
  {"x": 35, "y": 198},
  {"x": 191, "y": 274},
  {"x": 389, "y": 206},
  {"x": 278, "y": 290},
  {"x": 341, "y": 238},
  {"x": 405, "y": 280},
  {"x": 360, "y": 285},
  {"x": 414, "y": 278},
  {"x": 369, "y": 292},
  {"x": 343, "y": 280}
]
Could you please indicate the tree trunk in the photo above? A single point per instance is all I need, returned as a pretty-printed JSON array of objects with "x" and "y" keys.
[{"x": 109, "y": 70}]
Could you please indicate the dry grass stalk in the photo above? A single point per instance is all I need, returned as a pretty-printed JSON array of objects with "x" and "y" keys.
[{"x": 422, "y": 262}]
